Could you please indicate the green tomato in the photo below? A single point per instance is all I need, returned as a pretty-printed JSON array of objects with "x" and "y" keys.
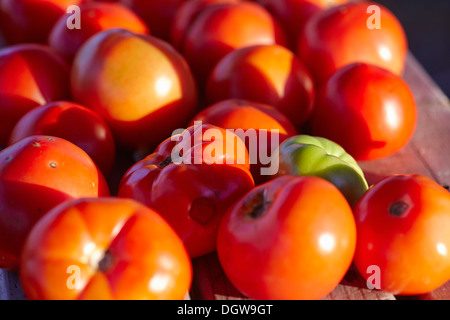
[{"x": 314, "y": 156}]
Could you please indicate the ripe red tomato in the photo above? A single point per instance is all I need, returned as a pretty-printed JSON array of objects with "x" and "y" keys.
[
  {"x": 367, "y": 110},
  {"x": 105, "y": 248},
  {"x": 269, "y": 74},
  {"x": 95, "y": 17},
  {"x": 291, "y": 238},
  {"x": 222, "y": 28},
  {"x": 192, "y": 194},
  {"x": 340, "y": 35},
  {"x": 30, "y": 75},
  {"x": 36, "y": 174},
  {"x": 31, "y": 20},
  {"x": 73, "y": 122},
  {"x": 143, "y": 93},
  {"x": 185, "y": 16},
  {"x": 157, "y": 14},
  {"x": 293, "y": 14},
  {"x": 403, "y": 225},
  {"x": 255, "y": 123}
]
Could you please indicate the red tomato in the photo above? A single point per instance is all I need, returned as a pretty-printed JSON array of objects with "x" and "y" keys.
[
  {"x": 340, "y": 35},
  {"x": 36, "y": 174},
  {"x": 291, "y": 238},
  {"x": 30, "y": 75},
  {"x": 255, "y": 123},
  {"x": 293, "y": 14},
  {"x": 158, "y": 14},
  {"x": 31, "y": 20},
  {"x": 105, "y": 248},
  {"x": 269, "y": 74},
  {"x": 223, "y": 28},
  {"x": 192, "y": 194},
  {"x": 73, "y": 122},
  {"x": 143, "y": 93},
  {"x": 367, "y": 110},
  {"x": 95, "y": 17},
  {"x": 185, "y": 16},
  {"x": 403, "y": 225}
]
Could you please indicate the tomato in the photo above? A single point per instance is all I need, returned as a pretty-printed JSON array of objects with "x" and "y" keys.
[
  {"x": 30, "y": 75},
  {"x": 104, "y": 248},
  {"x": 367, "y": 110},
  {"x": 158, "y": 14},
  {"x": 293, "y": 14},
  {"x": 73, "y": 122},
  {"x": 31, "y": 20},
  {"x": 341, "y": 35},
  {"x": 269, "y": 74},
  {"x": 403, "y": 227},
  {"x": 143, "y": 94},
  {"x": 291, "y": 238},
  {"x": 185, "y": 16},
  {"x": 320, "y": 157},
  {"x": 222, "y": 28},
  {"x": 95, "y": 17},
  {"x": 36, "y": 174},
  {"x": 254, "y": 123},
  {"x": 192, "y": 193}
]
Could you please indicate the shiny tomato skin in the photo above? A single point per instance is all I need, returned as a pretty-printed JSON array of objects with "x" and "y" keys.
[
  {"x": 340, "y": 35},
  {"x": 143, "y": 94},
  {"x": 73, "y": 122},
  {"x": 293, "y": 14},
  {"x": 36, "y": 174},
  {"x": 402, "y": 226},
  {"x": 368, "y": 110},
  {"x": 157, "y": 14},
  {"x": 185, "y": 17},
  {"x": 213, "y": 34},
  {"x": 30, "y": 75},
  {"x": 95, "y": 17},
  {"x": 30, "y": 21},
  {"x": 291, "y": 238},
  {"x": 270, "y": 74},
  {"x": 249, "y": 116},
  {"x": 116, "y": 249},
  {"x": 191, "y": 196}
]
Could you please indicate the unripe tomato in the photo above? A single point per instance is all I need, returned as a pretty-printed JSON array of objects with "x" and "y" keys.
[
  {"x": 139, "y": 84},
  {"x": 30, "y": 75},
  {"x": 104, "y": 248},
  {"x": 403, "y": 225},
  {"x": 95, "y": 17},
  {"x": 344, "y": 34},
  {"x": 367, "y": 110},
  {"x": 36, "y": 174},
  {"x": 291, "y": 238},
  {"x": 316, "y": 156}
]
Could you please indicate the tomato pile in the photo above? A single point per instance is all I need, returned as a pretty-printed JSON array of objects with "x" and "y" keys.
[{"x": 122, "y": 155}]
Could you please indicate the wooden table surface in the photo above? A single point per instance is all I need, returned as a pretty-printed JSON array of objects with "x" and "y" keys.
[{"x": 428, "y": 154}]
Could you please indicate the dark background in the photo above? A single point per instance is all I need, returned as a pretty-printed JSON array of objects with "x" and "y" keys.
[{"x": 427, "y": 26}]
